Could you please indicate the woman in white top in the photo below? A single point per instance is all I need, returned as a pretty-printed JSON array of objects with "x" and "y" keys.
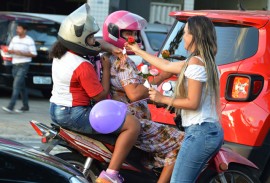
[{"x": 196, "y": 97}]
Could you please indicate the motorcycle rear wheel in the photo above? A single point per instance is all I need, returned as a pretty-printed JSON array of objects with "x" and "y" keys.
[
  {"x": 236, "y": 173},
  {"x": 78, "y": 161}
]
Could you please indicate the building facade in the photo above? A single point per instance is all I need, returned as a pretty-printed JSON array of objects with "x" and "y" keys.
[{"x": 151, "y": 10}]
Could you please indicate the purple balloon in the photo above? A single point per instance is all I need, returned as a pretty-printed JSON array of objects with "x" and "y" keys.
[{"x": 107, "y": 116}]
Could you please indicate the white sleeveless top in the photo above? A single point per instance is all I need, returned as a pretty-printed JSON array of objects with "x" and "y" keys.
[{"x": 205, "y": 112}]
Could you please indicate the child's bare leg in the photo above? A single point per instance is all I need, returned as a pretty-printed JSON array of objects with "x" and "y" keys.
[
  {"x": 166, "y": 174},
  {"x": 125, "y": 141}
]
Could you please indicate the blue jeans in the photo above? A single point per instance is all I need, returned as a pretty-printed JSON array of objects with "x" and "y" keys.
[
  {"x": 200, "y": 143},
  {"x": 19, "y": 72},
  {"x": 72, "y": 118}
]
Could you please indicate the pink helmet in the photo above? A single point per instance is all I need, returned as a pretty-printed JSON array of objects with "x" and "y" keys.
[{"x": 118, "y": 21}]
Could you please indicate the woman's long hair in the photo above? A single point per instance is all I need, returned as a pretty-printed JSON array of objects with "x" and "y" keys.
[
  {"x": 58, "y": 50},
  {"x": 204, "y": 41}
]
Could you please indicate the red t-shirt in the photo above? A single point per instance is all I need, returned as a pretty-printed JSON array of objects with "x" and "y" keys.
[{"x": 75, "y": 81}]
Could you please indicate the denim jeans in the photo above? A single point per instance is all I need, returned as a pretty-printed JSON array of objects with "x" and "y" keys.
[
  {"x": 72, "y": 118},
  {"x": 19, "y": 72},
  {"x": 200, "y": 143}
]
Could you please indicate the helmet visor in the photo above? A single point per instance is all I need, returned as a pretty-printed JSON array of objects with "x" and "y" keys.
[{"x": 131, "y": 21}]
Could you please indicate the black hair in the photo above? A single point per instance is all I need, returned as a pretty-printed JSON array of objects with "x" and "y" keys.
[
  {"x": 23, "y": 25},
  {"x": 58, "y": 50}
]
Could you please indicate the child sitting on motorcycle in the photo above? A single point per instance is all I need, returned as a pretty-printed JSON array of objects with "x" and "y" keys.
[
  {"x": 75, "y": 84},
  {"x": 127, "y": 86}
]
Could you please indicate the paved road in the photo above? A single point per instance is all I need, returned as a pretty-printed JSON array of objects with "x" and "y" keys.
[{"x": 16, "y": 126}]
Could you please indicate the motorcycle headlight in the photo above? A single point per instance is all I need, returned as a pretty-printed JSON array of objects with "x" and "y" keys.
[{"x": 78, "y": 179}]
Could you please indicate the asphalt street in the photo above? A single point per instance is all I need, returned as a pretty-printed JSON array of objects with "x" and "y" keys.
[{"x": 16, "y": 126}]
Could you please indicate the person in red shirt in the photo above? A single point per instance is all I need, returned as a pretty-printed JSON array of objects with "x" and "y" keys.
[{"x": 76, "y": 86}]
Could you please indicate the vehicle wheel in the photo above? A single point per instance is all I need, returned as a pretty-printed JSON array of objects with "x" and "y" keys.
[
  {"x": 265, "y": 177},
  {"x": 236, "y": 173},
  {"x": 78, "y": 161}
]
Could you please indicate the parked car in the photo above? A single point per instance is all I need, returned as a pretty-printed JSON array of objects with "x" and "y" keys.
[
  {"x": 152, "y": 37},
  {"x": 44, "y": 32},
  {"x": 243, "y": 58},
  {"x": 21, "y": 163}
]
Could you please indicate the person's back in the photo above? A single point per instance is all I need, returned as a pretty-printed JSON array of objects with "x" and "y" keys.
[{"x": 70, "y": 87}]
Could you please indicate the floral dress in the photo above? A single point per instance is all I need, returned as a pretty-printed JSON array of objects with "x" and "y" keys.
[{"x": 161, "y": 140}]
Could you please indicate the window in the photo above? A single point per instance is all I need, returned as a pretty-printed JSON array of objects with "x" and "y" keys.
[
  {"x": 3, "y": 31},
  {"x": 156, "y": 39},
  {"x": 43, "y": 34},
  {"x": 235, "y": 42}
]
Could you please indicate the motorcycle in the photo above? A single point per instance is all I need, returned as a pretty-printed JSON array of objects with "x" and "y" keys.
[{"x": 92, "y": 153}]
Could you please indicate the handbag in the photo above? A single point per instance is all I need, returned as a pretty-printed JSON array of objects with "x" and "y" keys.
[{"x": 178, "y": 122}]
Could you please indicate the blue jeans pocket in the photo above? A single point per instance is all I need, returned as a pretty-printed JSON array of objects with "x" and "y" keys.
[
  {"x": 61, "y": 115},
  {"x": 80, "y": 116},
  {"x": 213, "y": 136}
]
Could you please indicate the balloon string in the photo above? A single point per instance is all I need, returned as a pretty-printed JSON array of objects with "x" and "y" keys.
[{"x": 138, "y": 101}]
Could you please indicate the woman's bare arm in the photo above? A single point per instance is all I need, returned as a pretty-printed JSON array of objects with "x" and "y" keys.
[
  {"x": 162, "y": 64},
  {"x": 191, "y": 102}
]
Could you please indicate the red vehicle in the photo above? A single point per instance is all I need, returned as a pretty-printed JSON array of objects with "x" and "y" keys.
[{"x": 243, "y": 57}]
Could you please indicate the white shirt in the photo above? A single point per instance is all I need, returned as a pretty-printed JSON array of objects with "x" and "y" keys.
[
  {"x": 25, "y": 44},
  {"x": 75, "y": 81},
  {"x": 206, "y": 112}
]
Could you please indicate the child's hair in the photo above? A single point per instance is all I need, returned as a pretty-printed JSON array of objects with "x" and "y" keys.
[{"x": 58, "y": 50}]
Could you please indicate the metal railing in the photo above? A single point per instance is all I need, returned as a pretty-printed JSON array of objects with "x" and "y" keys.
[{"x": 159, "y": 12}]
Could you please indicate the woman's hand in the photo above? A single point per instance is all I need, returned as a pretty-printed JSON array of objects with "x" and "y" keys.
[
  {"x": 132, "y": 47},
  {"x": 155, "y": 95}
]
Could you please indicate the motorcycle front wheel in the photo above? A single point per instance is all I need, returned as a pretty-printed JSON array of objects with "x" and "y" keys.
[
  {"x": 78, "y": 161},
  {"x": 235, "y": 174}
]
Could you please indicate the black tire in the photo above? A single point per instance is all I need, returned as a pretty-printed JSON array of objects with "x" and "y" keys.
[
  {"x": 265, "y": 177},
  {"x": 77, "y": 161},
  {"x": 235, "y": 174}
]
